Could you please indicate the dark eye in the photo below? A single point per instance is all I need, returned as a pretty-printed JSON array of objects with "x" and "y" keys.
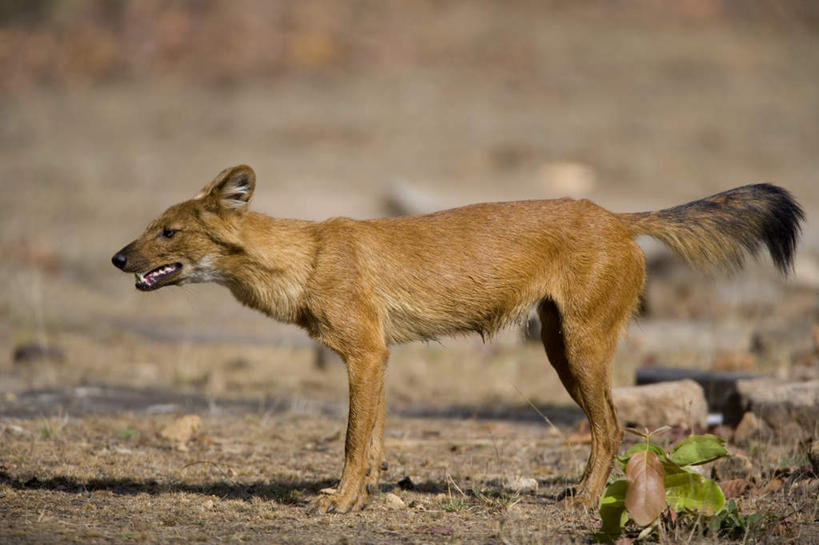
[{"x": 168, "y": 232}]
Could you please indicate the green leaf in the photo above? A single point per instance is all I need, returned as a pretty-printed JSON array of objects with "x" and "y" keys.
[
  {"x": 688, "y": 490},
  {"x": 697, "y": 449},
  {"x": 612, "y": 508}
]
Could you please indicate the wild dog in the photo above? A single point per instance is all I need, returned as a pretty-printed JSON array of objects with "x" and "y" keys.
[{"x": 360, "y": 286}]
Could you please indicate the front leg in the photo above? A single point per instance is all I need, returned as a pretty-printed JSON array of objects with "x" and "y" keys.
[
  {"x": 365, "y": 372},
  {"x": 376, "y": 451}
]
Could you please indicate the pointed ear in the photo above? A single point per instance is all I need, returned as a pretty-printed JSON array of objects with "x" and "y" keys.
[{"x": 232, "y": 188}]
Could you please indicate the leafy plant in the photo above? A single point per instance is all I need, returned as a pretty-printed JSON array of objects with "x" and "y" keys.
[
  {"x": 656, "y": 480},
  {"x": 731, "y": 524}
]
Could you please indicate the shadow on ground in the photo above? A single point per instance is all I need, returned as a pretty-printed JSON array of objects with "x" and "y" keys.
[
  {"x": 82, "y": 400},
  {"x": 284, "y": 492}
]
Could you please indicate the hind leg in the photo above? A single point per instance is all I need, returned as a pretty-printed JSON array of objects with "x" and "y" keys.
[{"x": 581, "y": 354}]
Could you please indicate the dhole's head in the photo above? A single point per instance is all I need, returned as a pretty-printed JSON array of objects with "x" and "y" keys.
[{"x": 186, "y": 242}]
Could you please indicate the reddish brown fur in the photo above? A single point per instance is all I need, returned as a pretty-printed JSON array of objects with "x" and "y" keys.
[{"x": 358, "y": 286}]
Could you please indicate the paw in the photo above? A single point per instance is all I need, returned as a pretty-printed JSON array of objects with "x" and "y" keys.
[
  {"x": 325, "y": 504},
  {"x": 577, "y": 498},
  {"x": 331, "y": 501}
]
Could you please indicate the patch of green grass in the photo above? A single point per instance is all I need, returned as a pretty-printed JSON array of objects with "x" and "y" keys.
[
  {"x": 452, "y": 504},
  {"x": 48, "y": 432},
  {"x": 127, "y": 433}
]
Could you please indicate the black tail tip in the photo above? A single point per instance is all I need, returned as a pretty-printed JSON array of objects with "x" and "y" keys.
[{"x": 782, "y": 226}]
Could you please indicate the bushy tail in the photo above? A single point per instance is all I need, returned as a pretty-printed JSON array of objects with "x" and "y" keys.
[{"x": 720, "y": 230}]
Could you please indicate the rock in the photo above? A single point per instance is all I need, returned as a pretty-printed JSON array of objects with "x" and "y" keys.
[
  {"x": 746, "y": 387},
  {"x": 181, "y": 430},
  {"x": 788, "y": 408},
  {"x": 737, "y": 465},
  {"x": 749, "y": 427},
  {"x": 679, "y": 403},
  {"x": 740, "y": 401},
  {"x": 393, "y": 501},
  {"x": 522, "y": 484},
  {"x": 12, "y": 428},
  {"x": 720, "y": 388}
]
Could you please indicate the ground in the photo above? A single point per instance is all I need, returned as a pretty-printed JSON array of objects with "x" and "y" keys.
[{"x": 484, "y": 103}]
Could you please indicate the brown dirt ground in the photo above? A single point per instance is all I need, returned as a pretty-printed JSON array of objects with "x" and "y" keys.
[{"x": 659, "y": 111}]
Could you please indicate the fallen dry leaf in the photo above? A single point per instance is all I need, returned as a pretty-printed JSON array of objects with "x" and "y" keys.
[
  {"x": 645, "y": 495},
  {"x": 735, "y": 488},
  {"x": 393, "y": 501},
  {"x": 771, "y": 486}
]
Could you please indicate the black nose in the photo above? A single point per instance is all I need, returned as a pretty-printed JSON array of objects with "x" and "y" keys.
[{"x": 119, "y": 260}]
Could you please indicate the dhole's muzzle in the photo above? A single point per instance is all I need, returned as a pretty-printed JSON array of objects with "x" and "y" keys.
[{"x": 155, "y": 278}]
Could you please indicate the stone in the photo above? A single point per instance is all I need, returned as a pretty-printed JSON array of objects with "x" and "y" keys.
[
  {"x": 393, "y": 501},
  {"x": 720, "y": 388},
  {"x": 788, "y": 408},
  {"x": 652, "y": 406},
  {"x": 740, "y": 401},
  {"x": 522, "y": 484},
  {"x": 737, "y": 465},
  {"x": 749, "y": 427},
  {"x": 181, "y": 430}
]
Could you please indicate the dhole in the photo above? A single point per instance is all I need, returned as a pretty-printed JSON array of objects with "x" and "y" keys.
[{"x": 359, "y": 286}]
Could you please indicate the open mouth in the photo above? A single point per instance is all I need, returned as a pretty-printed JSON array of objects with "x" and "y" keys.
[{"x": 155, "y": 278}]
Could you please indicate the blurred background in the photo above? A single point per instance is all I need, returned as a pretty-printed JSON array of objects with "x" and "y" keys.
[{"x": 111, "y": 110}]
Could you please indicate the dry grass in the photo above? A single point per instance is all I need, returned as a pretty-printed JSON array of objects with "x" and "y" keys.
[{"x": 248, "y": 478}]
